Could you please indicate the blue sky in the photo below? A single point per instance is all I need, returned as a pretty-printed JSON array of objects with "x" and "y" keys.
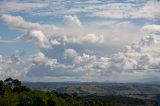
[{"x": 80, "y": 40}]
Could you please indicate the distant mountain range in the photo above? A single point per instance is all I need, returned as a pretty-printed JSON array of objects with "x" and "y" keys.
[{"x": 87, "y": 88}]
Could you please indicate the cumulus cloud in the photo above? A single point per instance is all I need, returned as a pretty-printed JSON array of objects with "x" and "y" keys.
[
  {"x": 17, "y": 66},
  {"x": 78, "y": 58},
  {"x": 41, "y": 34},
  {"x": 88, "y": 38},
  {"x": 55, "y": 42},
  {"x": 69, "y": 59},
  {"x": 138, "y": 60},
  {"x": 19, "y": 23},
  {"x": 46, "y": 35},
  {"x": 141, "y": 57},
  {"x": 70, "y": 53},
  {"x": 95, "y": 33},
  {"x": 37, "y": 37},
  {"x": 14, "y": 66},
  {"x": 84, "y": 59},
  {"x": 40, "y": 58},
  {"x": 151, "y": 29},
  {"x": 93, "y": 38},
  {"x": 72, "y": 21},
  {"x": 76, "y": 33}
]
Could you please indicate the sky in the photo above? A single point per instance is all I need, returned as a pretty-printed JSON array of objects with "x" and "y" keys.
[{"x": 80, "y": 40}]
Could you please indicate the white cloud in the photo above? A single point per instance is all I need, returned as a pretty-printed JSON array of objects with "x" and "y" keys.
[
  {"x": 105, "y": 9},
  {"x": 14, "y": 66},
  {"x": 55, "y": 42},
  {"x": 78, "y": 58},
  {"x": 41, "y": 34},
  {"x": 143, "y": 55},
  {"x": 95, "y": 33},
  {"x": 115, "y": 32},
  {"x": 47, "y": 35},
  {"x": 37, "y": 37},
  {"x": 88, "y": 38},
  {"x": 84, "y": 59},
  {"x": 70, "y": 53},
  {"x": 40, "y": 58},
  {"x": 139, "y": 60},
  {"x": 19, "y": 23},
  {"x": 147, "y": 10},
  {"x": 151, "y": 29},
  {"x": 72, "y": 21},
  {"x": 150, "y": 10},
  {"x": 92, "y": 38},
  {"x": 8, "y": 6},
  {"x": 142, "y": 58}
]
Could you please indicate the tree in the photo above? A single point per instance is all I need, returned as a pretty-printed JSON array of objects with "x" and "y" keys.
[
  {"x": 51, "y": 102},
  {"x": 2, "y": 88},
  {"x": 8, "y": 82}
]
